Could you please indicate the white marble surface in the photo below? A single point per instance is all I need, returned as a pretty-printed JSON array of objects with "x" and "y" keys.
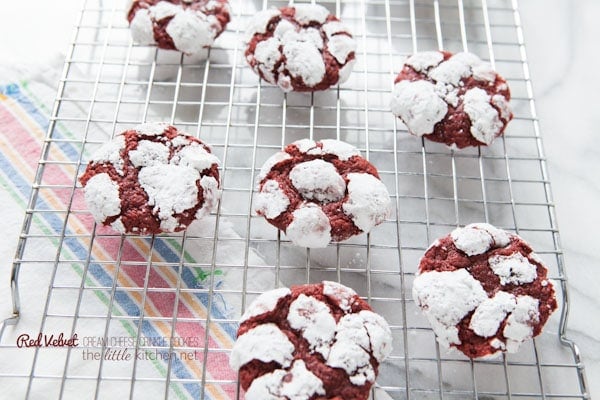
[{"x": 560, "y": 38}]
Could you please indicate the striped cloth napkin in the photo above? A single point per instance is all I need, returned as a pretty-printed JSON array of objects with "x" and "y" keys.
[{"x": 24, "y": 119}]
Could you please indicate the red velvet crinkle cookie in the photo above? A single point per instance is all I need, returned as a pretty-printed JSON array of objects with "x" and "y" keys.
[
  {"x": 321, "y": 191},
  {"x": 302, "y": 48},
  {"x": 183, "y": 25},
  {"x": 318, "y": 341},
  {"x": 455, "y": 99},
  {"x": 483, "y": 290},
  {"x": 151, "y": 179}
]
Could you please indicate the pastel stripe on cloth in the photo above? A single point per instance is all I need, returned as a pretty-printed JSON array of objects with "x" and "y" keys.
[{"x": 23, "y": 125}]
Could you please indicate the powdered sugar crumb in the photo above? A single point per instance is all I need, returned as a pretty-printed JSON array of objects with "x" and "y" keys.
[
  {"x": 310, "y": 227},
  {"x": 265, "y": 342},
  {"x": 513, "y": 269},
  {"x": 368, "y": 201},
  {"x": 264, "y": 303},
  {"x": 446, "y": 297}
]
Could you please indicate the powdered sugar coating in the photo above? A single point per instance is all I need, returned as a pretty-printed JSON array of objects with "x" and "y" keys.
[
  {"x": 424, "y": 60},
  {"x": 478, "y": 238},
  {"x": 260, "y": 22},
  {"x": 187, "y": 26},
  {"x": 110, "y": 152},
  {"x": 310, "y": 227},
  {"x": 514, "y": 269},
  {"x": 446, "y": 297},
  {"x": 319, "y": 191},
  {"x": 149, "y": 153},
  {"x": 485, "y": 121},
  {"x": 266, "y": 302},
  {"x": 455, "y": 99},
  {"x": 102, "y": 197},
  {"x": 344, "y": 151},
  {"x": 151, "y": 128},
  {"x": 271, "y": 201},
  {"x": 368, "y": 201},
  {"x": 298, "y": 383},
  {"x": 519, "y": 325},
  {"x": 490, "y": 313},
  {"x": 211, "y": 193},
  {"x": 266, "y": 343},
  {"x": 317, "y": 179},
  {"x": 313, "y": 318},
  {"x": 418, "y": 105},
  {"x": 307, "y": 13},
  {"x": 163, "y": 180},
  {"x": 171, "y": 189},
  {"x": 338, "y": 349},
  {"x": 271, "y": 162},
  {"x": 299, "y": 47},
  {"x": 515, "y": 297},
  {"x": 343, "y": 295}
]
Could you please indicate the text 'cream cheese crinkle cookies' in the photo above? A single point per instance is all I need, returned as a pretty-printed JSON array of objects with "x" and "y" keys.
[
  {"x": 151, "y": 179},
  {"x": 457, "y": 99},
  {"x": 300, "y": 48},
  {"x": 483, "y": 290},
  {"x": 317, "y": 341},
  {"x": 321, "y": 191},
  {"x": 187, "y": 26}
]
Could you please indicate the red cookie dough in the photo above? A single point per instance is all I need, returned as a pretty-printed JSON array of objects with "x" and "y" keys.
[
  {"x": 151, "y": 179},
  {"x": 483, "y": 290},
  {"x": 301, "y": 48},
  {"x": 183, "y": 25},
  {"x": 321, "y": 191},
  {"x": 313, "y": 342},
  {"x": 455, "y": 99}
]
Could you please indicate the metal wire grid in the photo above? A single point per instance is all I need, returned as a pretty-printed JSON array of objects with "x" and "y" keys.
[{"x": 109, "y": 84}]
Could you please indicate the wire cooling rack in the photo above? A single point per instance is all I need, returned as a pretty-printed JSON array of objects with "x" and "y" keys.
[{"x": 182, "y": 294}]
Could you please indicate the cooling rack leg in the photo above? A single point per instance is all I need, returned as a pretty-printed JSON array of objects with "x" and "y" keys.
[{"x": 14, "y": 286}]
